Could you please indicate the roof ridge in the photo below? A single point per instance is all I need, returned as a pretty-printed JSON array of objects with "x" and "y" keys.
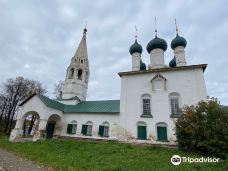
[{"x": 99, "y": 100}]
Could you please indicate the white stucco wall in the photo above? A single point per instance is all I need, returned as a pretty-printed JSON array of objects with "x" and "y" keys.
[
  {"x": 96, "y": 118},
  {"x": 36, "y": 105},
  {"x": 189, "y": 84}
]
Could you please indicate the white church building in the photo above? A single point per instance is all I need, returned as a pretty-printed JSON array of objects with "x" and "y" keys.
[{"x": 150, "y": 101}]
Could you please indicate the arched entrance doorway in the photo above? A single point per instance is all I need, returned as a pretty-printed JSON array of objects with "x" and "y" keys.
[
  {"x": 141, "y": 129},
  {"x": 29, "y": 124},
  {"x": 53, "y": 127},
  {"x": 161, "y": 131}
]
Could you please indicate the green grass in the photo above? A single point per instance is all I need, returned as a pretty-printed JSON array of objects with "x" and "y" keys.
[{"x": 88, "y": 155}]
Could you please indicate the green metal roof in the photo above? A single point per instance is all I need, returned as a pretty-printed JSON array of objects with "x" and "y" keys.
[
  {"x": 156, "y": 43},
  {"x": 52, "y": 103},
  {"x": 135, "y": 48},
  {"x": 106, "y": 106},
  {"x": 178, "y": 41}
]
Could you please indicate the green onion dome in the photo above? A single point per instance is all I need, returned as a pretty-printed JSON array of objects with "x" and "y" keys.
[
  {"x": 156, "y": 43},
  {"x": 173, "y": 63},
  {"x": 178, "y": 41},
  {"x": 135, "y": 48},
  {"x": 142, "y": 65}
]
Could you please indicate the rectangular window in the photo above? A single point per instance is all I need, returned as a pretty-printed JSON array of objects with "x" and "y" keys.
[
  {"x": 175, "y": 106},
  {"x": 103, "y": 131},
  {"x": 146, "y": 107}
]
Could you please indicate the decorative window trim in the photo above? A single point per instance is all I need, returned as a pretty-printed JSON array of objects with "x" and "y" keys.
[
  {"x": 146, "y": 115},
  {"x": 71, "y": 128},
  {"x": 175, "y": 95},
  {"x": 87, "y": 128},
  {"x": 156, "y": 77},
  {"x": 104, "y": 129}
]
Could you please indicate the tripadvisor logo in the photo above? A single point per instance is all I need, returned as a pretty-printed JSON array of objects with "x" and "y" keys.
[{"x": 176, "y": 160}]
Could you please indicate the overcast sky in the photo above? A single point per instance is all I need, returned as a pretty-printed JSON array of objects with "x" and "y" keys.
[{"x": 38, "y": 39}]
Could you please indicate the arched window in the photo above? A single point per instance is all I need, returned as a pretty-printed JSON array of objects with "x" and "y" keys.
[
  {"x": 161, "y": 128},
  {"x": 87, "y": 128},
  {"x": 71, "y": 74},
  {"x": 80, "y": 74},
  {"x": 104, "y": 129},
  {"x": 146, "y": 105},
  {"x": 141, "y": 130},
  {"x": 72, "y": 127},
  {"x": 174, "y": 99}
]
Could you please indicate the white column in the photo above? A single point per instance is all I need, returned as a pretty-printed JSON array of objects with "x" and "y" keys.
[
  {"x": 180, "y": 56},
  {"x": 136, "y": 61},
  {"x": 41, "y": 130},
  {"x": 17, "y": 131},
  {"x": 157, "y": 58}
]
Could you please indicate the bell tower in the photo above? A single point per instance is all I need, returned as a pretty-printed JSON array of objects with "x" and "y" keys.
[{"x": 77, "y": 75}]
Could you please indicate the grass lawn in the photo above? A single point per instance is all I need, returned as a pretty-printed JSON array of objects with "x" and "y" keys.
[{"x": 87, "y": 155}]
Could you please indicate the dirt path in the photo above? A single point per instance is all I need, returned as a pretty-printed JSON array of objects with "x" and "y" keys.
[{"x": 12, "y": 162}]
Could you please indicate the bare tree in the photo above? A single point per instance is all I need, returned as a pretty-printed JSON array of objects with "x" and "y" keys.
[
  {"x": 12, "y": 93},
  {"x": 58, "y": 88}
]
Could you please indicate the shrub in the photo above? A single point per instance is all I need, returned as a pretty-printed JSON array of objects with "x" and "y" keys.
[{"x": 204, "y": 127}]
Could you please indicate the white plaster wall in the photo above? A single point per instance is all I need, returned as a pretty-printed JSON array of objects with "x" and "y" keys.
[
  {"x": 75, "y": 88},
  {"x": 35, "y": 104},
  {"x": 96, "y": 118},
  {"x": 180, "y": 56},
  {"x": 136, "y": 61},
  {"x": 157, "y": 58},
  {"x": 189, "y": 84}
]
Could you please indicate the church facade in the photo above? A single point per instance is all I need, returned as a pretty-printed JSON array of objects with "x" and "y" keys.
[{"x": 150, "y": 101}]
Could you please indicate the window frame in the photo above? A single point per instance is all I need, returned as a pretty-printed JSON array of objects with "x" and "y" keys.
[
  {"x": 104, "y": 129},
  {"x": 146, "y": 106},
  {"x": 89, "y": 128},
  {"x": 174, "y": 96}
]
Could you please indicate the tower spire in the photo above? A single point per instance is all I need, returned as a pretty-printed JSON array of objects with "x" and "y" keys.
[
  {"x": 77, "y": 77},
  {"x": 136, "y": 34},
  {"x": 85, "y": 28},
  {"x": 82, "y": 48},
  {"x": 155, "y": 24},
  {"x": 176, "y": 27}
]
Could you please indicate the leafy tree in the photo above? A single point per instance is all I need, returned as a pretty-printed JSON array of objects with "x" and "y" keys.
[{"x": 204, "y": 127}]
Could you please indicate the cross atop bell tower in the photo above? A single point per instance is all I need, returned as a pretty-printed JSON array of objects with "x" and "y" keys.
[{"x": 77, "y": 76}]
